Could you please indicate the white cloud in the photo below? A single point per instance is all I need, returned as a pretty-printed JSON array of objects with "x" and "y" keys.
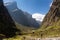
[
  {"x": 51, "y": 4},
  {"x": 38, "y": 16}
]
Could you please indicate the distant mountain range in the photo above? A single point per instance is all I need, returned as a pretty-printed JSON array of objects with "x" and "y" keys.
[{"x": 20, "y": 16}]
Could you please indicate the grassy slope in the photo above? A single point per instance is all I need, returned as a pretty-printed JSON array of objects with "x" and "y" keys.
[{"x": 50, "y": 31}]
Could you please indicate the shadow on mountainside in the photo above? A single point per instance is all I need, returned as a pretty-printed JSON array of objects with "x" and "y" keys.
[{"x": 7, "y": 25}]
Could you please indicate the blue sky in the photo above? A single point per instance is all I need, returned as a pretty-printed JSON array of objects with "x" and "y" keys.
[
  {"x": 37, "y": 8},
  {"x": 33, "y": 6}
]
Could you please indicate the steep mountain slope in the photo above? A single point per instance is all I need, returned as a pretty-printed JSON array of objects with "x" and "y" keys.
[
  {"x": 51, "y": 24},
  {"x": 7, "y": 25},
  {"x": 53, "y": 16},
  {"x": 21, "y": 17}
]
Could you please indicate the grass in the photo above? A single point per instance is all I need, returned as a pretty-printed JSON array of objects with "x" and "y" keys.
[{"x": 50, "y": 31}]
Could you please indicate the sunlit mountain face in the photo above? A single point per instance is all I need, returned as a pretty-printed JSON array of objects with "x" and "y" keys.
[{"x": 20, "y": 16}]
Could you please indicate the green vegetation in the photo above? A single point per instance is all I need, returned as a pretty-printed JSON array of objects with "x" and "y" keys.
[
  {"x": 24, "y": 29},
  {"x": 50, "y": 31}
]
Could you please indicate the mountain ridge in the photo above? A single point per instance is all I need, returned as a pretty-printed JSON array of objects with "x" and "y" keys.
[
  {"x": 20, "y": 16},
  {"x": 53, "y": 14}
]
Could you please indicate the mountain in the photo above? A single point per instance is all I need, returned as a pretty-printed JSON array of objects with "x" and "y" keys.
[
  {"x": 51, "y": 24},
  {"x": 7, "y": 25},
  {"x": 20, "y": 16},
  {"x": 53, "y": 16}
]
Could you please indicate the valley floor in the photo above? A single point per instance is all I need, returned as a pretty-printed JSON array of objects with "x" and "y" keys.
[{"x": 24, "y": 37}]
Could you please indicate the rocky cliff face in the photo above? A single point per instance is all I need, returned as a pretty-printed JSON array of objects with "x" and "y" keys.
[
  {"x": 20, "y": 16},
  {"x": 7, "y": 26},
  {"x": 53, "y": 16}
]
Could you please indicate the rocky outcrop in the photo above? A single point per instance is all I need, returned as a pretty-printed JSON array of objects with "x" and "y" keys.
[
  {"x": 20, "y": 16},
  {"x": 53, "y": 16}
]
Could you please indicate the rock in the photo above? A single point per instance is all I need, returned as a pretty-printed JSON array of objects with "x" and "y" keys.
[{"x": 53, "y": 16}]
